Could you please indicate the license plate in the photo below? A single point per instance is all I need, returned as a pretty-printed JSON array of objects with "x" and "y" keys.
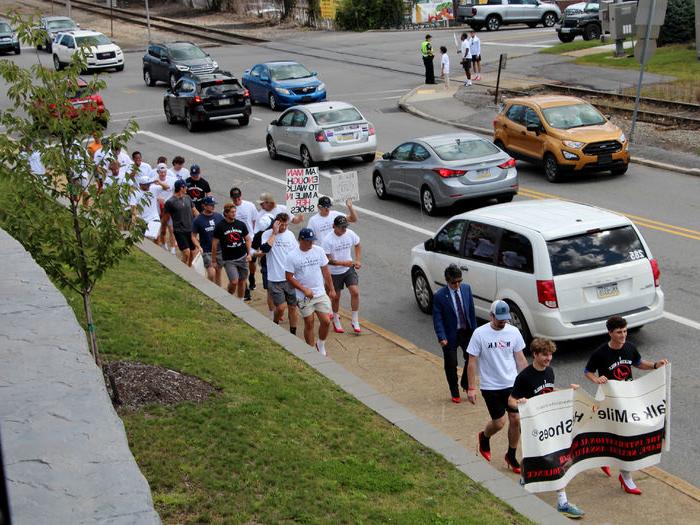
[
  {"x": 605, "y": 159},
  {"x": 224, "y": 101},
  {"x": 565, "y": 30},
  {"x": 608, "y": 290},
  {"x": 483, "y": 174},
  {"x": 343, "y": 138}
]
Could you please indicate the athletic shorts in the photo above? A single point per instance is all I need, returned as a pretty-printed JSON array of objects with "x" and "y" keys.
[
  {"x": 466, "y": 64},
  {"x": 236, "y": 269},
  {"x": 476, "y": 59},
  {"x": 497, "y": 402},
  {"x": 184, "y": 241},
  {"x": 348, "y": 278},
  {"x": 320, "y": 304},
  {"x": 281, "y": 292},
  {"x": 206, "y": 258}
]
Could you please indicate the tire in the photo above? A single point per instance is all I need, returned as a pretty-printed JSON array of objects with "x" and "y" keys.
[
  {"x": 119, "y": 68},
  {"x": 379, "y": 186},
  {"x": 505, "y": 198},
  {"x": 169, "y": 117},
  {"x": 549, "y": 19},
  {"x": 422, "y": 291},
  {"x": 57, "y": 63},
  {"x": 427, "y": 201},
  {"x": 244, "y": 121},
  {"x": 191, "y": 124},
  {"x": 493, "y": 23},
  {"x": 591, "y": 32},
  {"x": 566, "y": 37},
  {"x": 369, "y": 157},
  {"x": 532, "y": 25},
  {"x": 620, "y": 171},
  {"x": 18, "y": 50},
  {"x": 172, "y": 80},
  {"x": 38, "y": 47},
  {"x": 271, "y": 148},
  {"x": 148, "y": 79},
  {"x": 551, "y": 168},
  {"x": 306, "y": 159},
  {"x": 49, "y": 47},
  {"x": 272, "y": 102},
  {"x": 517, "y": 319}
]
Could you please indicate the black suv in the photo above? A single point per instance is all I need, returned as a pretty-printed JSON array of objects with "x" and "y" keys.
[
  {"x": 169, "y": 61},
  {"x": 200, "y": 99},
  {"x": 584, "y": 22}
]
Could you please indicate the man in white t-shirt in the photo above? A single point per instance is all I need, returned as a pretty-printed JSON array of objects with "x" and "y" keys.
[
  {"x": 497, "y": 348},
  {"x": 268, "y": 206},
  {"x": 466, "y": 59},
  {"x": 276, "y": 244},
  {"x": 179, "y": 169},
  {"x": 149, "y": 212},
  {"x": 246, "y": 212},
  {"x": 306, "y": 269},
  {"x": 162, "y": 189},
  {"x": 475, "y": 50},
  {"x": 339, "y": 246},
  {"x": 445, "y": 66},
  {"x": 322, "y": 222},
  {"x": 144, "y": 168}
]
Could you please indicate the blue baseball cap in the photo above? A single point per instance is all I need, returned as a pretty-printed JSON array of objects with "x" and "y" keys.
[
  {"x": 179, "y": 184},
  {"x": 500, "y": 310},
  {"x": 208, "y": 200},
  {"x": 307, "y": 234},
  {"x": 195, "y": 169}
]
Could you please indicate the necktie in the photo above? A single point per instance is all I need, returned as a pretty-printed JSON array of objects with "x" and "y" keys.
[{"x": 460, "y": 311}]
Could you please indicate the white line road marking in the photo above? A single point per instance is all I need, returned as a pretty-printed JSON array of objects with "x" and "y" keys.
[
  {"x": 510, "y": 45},
  {"x": 373, "y": 92},
  {"x": 257, "y": 118},
  {"x": 131, "y": 112},
  {"x": 135, "y": 118},
  {"x": 241, "y": 153},
  {"x": 668, "y": 315}
]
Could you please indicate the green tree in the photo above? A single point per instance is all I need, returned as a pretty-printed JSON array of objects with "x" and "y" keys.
[
  {"x": 360, "y": 15},
  {"x": 679, "y": 23},
  {"x": 75, "y": 233}
]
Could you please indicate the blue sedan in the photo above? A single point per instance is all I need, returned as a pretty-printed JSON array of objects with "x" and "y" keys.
[{"x": 283, "y": 84}]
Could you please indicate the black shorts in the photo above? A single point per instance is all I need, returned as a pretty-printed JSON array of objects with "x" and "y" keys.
[
  {"x": 497, "y": 402},
  {"x": 476, "y": 59},
  {"x": 466, "y": 64},
  {"x": 184, "y": 241}
]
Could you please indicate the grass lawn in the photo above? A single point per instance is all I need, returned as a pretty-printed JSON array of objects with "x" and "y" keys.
[
  {"x": 280, "y": 444},
  {"x": 574, "y": 45}
]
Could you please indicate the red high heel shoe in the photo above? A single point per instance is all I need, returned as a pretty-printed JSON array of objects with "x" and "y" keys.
[
  {"x": 628, "y": 490},
  {"x": 606, "y": 471}
]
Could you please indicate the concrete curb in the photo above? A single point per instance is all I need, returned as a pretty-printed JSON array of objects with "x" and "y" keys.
[
  {"x": 481, "y": 472},
  {"x": 406, "y": 106}
]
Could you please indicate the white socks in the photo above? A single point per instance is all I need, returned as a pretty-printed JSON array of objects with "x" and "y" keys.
[
  {"x": 356, "y": 317},
  {"x": 336, "y": 321},
  {"x": 627, "y": 477},
  {"x": 321, "y": 345},
  {"x": 561, "y": 498}
]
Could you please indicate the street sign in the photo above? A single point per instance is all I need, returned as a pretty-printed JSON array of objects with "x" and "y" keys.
[
  {"x": 648, "y": 50},
  {"x": 657, "y": 16}
]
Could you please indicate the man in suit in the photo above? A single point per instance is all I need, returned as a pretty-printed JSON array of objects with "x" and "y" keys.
[{"x": 454, "y": 320}]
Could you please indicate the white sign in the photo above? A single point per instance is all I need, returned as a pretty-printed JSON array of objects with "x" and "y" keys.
[
  {"x": 568, "y": 431},
  {"x": 302, "y": 190},
  {"x": 344, "y": 186}
]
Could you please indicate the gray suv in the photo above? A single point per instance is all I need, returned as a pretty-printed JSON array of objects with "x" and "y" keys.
[
  {"x": 8, "y": 38},
  {"x": 492, "y": 14},
  {"x": 169, "y": 61},
  {"x": 54, "y": 26}
]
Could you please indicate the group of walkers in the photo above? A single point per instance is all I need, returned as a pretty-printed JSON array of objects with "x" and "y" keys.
[
  {"x": 469, "y": 58},
  {"x": 505, "y": 378}
]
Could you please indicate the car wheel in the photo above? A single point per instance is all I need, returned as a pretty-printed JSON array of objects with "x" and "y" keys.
[
  {"x": 148, "y": 79},
  {"x": 532, "y": 24},
  {"x": 551, "y": 168},
  {"x": 517, "y": 319},
  {"x": 566, "y": 37},
  {"x": 18, "y": 50},
  {"x": 244, "y": 121},
  {"x": 591, "y": 32},
  {"x": 169, "y": 117},
  {"x": 57, "y": 63},
  {"x": 505, "y": 198},
  {"x": 427, "y": 200},
  {"x": 620, "y": 171},
  {"x": 422, "y": 291},
  {"x": 369, "y": 157},
  {"x": 271, "y": 148},
  {"x": 272, "y": 101},
  {"x": 189, "y": 122},
  {"x": 172, "y": 80},
  {"x": 379, "y": 186},
  {"x": 549, "y": 19},
  {"x": 49, "y": 46},
  {"x": 306, "y": 159},
  {"x": 493, "y": 23},
  {"x": 38, "y": 47}
]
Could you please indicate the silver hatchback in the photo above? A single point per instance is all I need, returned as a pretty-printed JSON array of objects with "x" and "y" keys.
[
  {"x": 321, "y": 132},
  {"x": 439, "y": 170}
]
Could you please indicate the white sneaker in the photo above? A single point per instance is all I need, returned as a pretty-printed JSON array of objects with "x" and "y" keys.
[
  {"x": 321, "y": 351},
  {"x": 468, "y": 83},
  {"x": 173, "y": 250}
]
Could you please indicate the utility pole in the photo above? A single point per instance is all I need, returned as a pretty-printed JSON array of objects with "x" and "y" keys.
[
  {"x": 67, "y": 7},
  {"x": 697, "y": 28}
]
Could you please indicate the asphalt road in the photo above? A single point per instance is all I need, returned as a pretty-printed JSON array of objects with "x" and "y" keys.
[{"x": 372, "y": 70}]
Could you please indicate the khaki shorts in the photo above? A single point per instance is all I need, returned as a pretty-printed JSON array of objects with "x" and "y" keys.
[{"x": 320, "y": 304}]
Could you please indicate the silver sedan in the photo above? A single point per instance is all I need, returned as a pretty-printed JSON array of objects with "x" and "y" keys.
[
  {"x": 440, "y": 170},
  {"x": 320, "y": 132}
]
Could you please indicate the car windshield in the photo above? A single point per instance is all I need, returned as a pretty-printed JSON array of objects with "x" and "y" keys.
[
  {"x": 574, "y": 116},
  {"x": 61, "y": 24},
  {"x": 225, "y": 87},
  {"x": 5, "y": 28},
  {"x": 596, "y": 249},
  {"x": 289, "y": 72},
  {"x": 92, "y": 40},
  {"x": 465, "y": 149},
  {"x": 337, "y": 116},
  {"x": 592, "y": 7},
  {"x": 187, "y": 53}
]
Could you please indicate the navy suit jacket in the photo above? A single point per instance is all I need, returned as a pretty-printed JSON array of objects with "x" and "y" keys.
[{"x": 445, "y": 317}]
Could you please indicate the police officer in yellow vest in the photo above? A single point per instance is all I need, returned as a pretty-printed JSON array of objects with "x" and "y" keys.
[{"x": 426, "y": 50}]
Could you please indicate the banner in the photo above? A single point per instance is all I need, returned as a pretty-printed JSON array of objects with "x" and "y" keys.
[
  {"x": 568, "y": 431},
  {"x": 428, "y": 12},
  {"x": 302, "y": 190},
  {"x": 328, "y": 9},
  {"x": 344, "y": 186}
]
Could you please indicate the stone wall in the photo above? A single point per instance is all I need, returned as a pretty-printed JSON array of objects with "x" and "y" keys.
[{"x": 66, "y": 456}]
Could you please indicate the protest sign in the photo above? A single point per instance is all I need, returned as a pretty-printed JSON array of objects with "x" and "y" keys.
[
  {"x": 302, "y": 190},
  {"x": 568, "y": 431},
  {"x": 344, "y": 186}
]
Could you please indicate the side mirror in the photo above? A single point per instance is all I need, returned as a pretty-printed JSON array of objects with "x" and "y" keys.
[
  {"x": 537, "y": 128},
  {"x": 165, "y": 59},
  {"x": 273, "y": 123},
  {"x": 607, "y": 117},
  {"x": 314, "y": 73},
  {"x": 264, "y": 78},
  {"x": 387, "y": 156},
  {"x": 245, "y": 72},
  {"x": 429, "y": 245}
]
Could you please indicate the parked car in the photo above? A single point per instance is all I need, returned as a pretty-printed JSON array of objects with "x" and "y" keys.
[
  {"x": 100, "y": 52},
  {"x": 283, "y": 84},
  {"x": 8, "y": 38},
  {"x": 492, "y": 14},
  {"x": 584, "y": 22},
  {"x": 321, "y": 132},
  {"x": 206, "y": 98},
  {"x": 168, "y": 61},
  {"x": 440, "y": 170},
  {"x": 565, "y": 134},
  {"x": 563, "y": 267},
  {"x": 54, "y": 26},
  {"x": 77, "y": 101}
]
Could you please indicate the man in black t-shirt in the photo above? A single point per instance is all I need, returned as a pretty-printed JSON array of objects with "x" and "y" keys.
[
  {"x": 535, "y": 380},
  {"x": 233, "y": 238},
  {"x": 181, "y": 210},
  {"x": 613, "y": 361},
  {"x": 197, "y": 187}
]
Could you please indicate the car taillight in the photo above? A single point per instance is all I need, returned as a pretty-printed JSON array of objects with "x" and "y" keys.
[
  {"x": 246, "y": 93},
  {"x": 197, "y": 99},
  {"x": 510, "y": 163},
  {"x": 320, "y": 136},
  {"x": 547, "y": 294},
  {"x": 446, "y": 173},
  {"x": 371, "y": 131},
  {"x": 656, "y": 272}
]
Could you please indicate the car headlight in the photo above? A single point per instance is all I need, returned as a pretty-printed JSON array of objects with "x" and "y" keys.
[
  {"x": 282, "y": 91},
  {"x": 321, "y": 87},
  {"x": 622, "y": 138},
  {"x": 89, "y": 54},
  {"x": 182, "y": 68},
  {"x": 573, "y": 144},
  {"x": 568, "y": 155},
  {"x": 119, "y": 51},
  {"x": 215, "y": 64}
]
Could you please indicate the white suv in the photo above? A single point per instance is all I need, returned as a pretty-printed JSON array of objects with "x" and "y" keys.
[
  {"x": 563, "y": 267},
  {"x": 100, "y": 52}
]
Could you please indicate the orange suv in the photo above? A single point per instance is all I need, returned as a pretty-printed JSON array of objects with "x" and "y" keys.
[{"x": 565, "y": 134}]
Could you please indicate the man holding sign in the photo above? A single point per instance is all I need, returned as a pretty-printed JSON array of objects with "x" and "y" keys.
[{"x": 322, "y": 222}]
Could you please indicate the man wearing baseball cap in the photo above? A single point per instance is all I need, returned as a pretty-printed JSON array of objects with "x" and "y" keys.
[
  {"x": 203, "y": 233},
  {"x": 268, "y": 206},
  {"x": 197, "y": 187},
  {"x": 306, "y": 268},
  {"x": 322, "y": 222},
  {"x": 497, "y": 348},
  {"x": 144, "y": 205},
  {"x": 179, "y": 207}
]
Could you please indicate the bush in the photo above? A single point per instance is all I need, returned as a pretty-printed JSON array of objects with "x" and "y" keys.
[
  {"x": 360, "y": 15},
  {"x": 679, "y": 24}
]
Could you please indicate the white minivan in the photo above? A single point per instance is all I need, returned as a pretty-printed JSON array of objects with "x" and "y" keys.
[{"x": 563, "y": 267}]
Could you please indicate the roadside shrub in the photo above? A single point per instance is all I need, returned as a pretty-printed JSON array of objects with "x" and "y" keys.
[
  {"x": 679, "y": 24},
  {"x": 360, "y": 15}
]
